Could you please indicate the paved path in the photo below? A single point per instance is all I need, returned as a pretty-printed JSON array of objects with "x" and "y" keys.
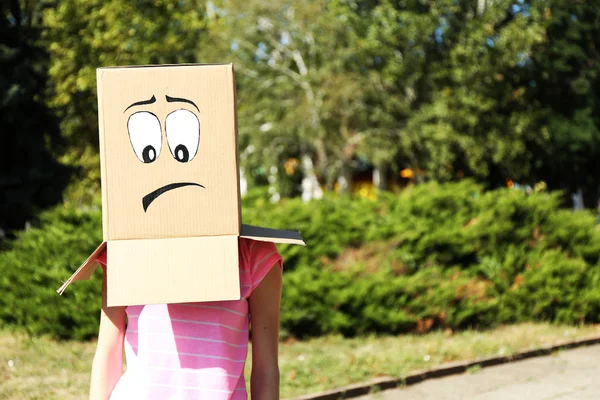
[{"x": 568, "y": 375}]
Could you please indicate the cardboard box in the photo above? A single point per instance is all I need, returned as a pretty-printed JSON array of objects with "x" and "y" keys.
[{"x": 171, "y": 213}]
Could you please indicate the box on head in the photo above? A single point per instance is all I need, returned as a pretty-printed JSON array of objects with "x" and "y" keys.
[{"x": 171, "y": 212}]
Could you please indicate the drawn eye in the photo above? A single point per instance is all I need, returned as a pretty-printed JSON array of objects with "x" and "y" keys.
[
  {"x": 145, "y": 136},
  {"x": 183, "y": 134}
]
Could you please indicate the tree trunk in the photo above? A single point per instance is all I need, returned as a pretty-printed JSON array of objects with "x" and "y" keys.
[
  {"x": 243, "y": 182},
  {"x": 380, "y": 178},
  {"x": 310, "y": 184},
  {"x": 345, "y": 180},
  {"x": 577, "y": 198}
]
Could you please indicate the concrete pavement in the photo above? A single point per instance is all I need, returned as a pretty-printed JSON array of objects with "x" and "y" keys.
[{"x": 567, "y": 375}]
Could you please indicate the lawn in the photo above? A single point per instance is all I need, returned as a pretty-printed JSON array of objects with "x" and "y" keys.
[{"x": 39, "y": 368}]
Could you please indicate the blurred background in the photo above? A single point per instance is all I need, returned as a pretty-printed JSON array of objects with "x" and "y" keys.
[{"x": 441, "y": 158}]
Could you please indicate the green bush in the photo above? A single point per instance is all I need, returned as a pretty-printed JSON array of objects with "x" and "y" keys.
[
  {"x": 436, "y": 256},
  {"x": 557, "y": 288},
  {"x": 451, "y": 256},
  {"x": 37, "y": 264},
  {"x": 321, "y": 301}
]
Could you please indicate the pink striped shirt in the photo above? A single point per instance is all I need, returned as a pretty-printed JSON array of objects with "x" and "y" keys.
[{"x": 193, "y": 350}]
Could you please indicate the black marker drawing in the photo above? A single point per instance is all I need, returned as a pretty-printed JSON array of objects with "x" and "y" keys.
[
  {"x": 143, "y": 102},
  {"x": 182, "y": 129},
  {"x": 145, "y": 135},
  {"x": 150, "y": 197},
  {"x": 181, "y": 100}
]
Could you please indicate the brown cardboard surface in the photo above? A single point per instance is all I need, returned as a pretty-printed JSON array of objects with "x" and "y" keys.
[
  {"x": 102, "y": 160},
  {"x": 206, "y": 202},
  {"x": 237, "y": 153},
  {"x": 171, "y": 216},
  {"x": 85, "y": 270},
  {"x": 181, "y": 270},
  {"x": 271, "y": 235}
]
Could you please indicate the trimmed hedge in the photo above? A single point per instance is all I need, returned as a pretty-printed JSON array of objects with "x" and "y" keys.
[
  {"x": 37, "y": 264},
  {"x": 436, "y": 256}
]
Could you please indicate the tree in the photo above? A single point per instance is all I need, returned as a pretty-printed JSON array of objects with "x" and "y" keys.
[
  {"x": 488, "y": 89},
  {"x": 300, "y": 82},
  {"x": 401, "y": 52},
  {"x": 564, "y": 76},
  {"x": 30, "y": 176},
  {"x": 492, "y": 89},
  {"x": 83, "y": 35},
  {"x": 474, "y": 118}
]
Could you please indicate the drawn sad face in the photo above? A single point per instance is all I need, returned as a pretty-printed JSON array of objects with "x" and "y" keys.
[
  {"x": 169, "y": 156},
  {"x": 182, "y": 131}
]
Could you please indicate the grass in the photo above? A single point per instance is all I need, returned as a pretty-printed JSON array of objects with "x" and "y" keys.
[
  {"x": 43, "y": 369},
  {"x": 39, "y": 368}
]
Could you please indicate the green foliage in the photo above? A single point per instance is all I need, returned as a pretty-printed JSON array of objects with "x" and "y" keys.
[
  {"x": 83, "y": 35},
  {"x": 555, "y": 287},
  {"x": 565, "y": 70},
  {"x": 453, "y": 256},
  {"x": 322, "y": 301},
  {"x": 436, "y": 256},
  {"x": 30, "y": 176},
  {"x": 300, "y": 80},
  {"x": 482, "y": 89},
  {"x": 36, "y": 265}
]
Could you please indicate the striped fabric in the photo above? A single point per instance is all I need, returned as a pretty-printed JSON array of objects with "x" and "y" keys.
[{"x": 196, "y": 350}]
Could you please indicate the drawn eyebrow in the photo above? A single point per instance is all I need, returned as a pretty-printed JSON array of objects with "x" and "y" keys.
[
  {"x": 141, "y": 103},
  {"x": 175, "y": 99}
]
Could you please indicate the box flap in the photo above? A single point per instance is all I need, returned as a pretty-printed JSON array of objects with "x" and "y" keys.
[
  {"x": 271, "y": 235},
  {"x": 173, "y": 270},
  {"x": 85, "y": 270}
]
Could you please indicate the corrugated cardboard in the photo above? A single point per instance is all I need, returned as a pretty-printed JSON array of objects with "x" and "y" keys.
[
  {"x": 85, "y": 271},
  {"x": 271, "y": 235},
  {"x": 187, "y": 211},
  {"x": 171, "y": 212},
  {"x": 188, "y": 269}
]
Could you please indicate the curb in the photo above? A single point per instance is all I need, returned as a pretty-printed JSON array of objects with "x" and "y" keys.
[{"x": 383, "y": 383}]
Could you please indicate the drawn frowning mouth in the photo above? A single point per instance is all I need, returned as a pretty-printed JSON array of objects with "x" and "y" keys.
[{"x": 150, "y": 197}]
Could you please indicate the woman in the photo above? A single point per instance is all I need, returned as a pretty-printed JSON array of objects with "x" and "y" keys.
[{"x": 195, "y": 350}]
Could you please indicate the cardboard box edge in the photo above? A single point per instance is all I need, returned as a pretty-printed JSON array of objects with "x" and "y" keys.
[
  {"x": 231, "y": 73},
  {"x": 103, "y": 185},
  {"x": 140, "y": 66},
  {"x": 271, "y": 235},
  {"x": 85, "y": 270}
]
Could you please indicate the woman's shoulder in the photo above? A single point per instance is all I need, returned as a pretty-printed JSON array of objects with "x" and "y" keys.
[
  {"x": 256, "y": 260},
  {"x": 253, "y": 251}
]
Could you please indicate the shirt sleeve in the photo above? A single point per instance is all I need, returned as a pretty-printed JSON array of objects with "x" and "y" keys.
[
  {"x": 263, "y": 256},
  {"x": 102, "y": 259}
]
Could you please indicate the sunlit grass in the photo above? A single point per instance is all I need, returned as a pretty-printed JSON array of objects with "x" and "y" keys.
[{"x": 39, "y": 368}]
